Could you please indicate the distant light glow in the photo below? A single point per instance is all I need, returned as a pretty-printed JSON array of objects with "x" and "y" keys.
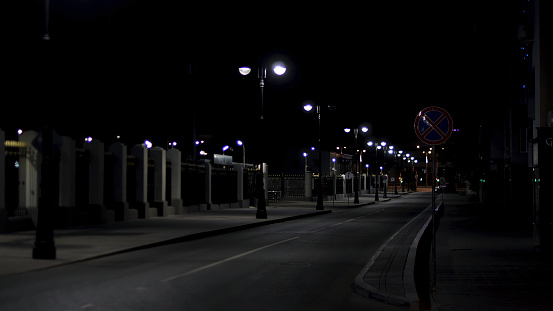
[
  {"x": 364, "y": 129},
  {"x": 347, "y": 130},
  {"x": 88, "y": 139},
  {"x": 308, "y": 107},
  {"x": 203, "y": 153},
  {"x": 305, "y": 154},
  {"x": 19, "y": 131},
  {"x": 225, "y": 148},
  {"x": 148, "y": 144},
  {"x": 370, "y": 144},
  {"x": 383, "y": 144},
  {"x": 244, "y": 70},
  {"x": 279, "y": 69}
]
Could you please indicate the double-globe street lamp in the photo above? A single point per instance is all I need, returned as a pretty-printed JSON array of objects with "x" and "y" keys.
[
  {"x": 308, "y": 106},
  {"x": 377, "y": 176},
  {"x": 279, "y": 69},
  {"x": 364, "y": 129}
]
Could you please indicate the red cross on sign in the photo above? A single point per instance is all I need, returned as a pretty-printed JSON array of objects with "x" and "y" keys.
[{"x": 433, "y": 125}]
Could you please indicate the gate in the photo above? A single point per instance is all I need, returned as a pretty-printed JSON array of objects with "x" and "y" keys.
[{"x": 287, "y": 186}]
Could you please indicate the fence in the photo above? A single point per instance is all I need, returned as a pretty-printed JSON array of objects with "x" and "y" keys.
[
  {"x": 286, "y": 186},
  {"x": 95, "y": 185}
]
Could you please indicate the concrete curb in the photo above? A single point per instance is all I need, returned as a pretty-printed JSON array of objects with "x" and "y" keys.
[
  {"x": 411, "y": 297},
  {"x": 189, "y": 237}
]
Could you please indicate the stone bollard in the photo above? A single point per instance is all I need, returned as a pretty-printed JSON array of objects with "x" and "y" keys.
[
  {"x": 140, "y": 152},
  {"x": 29, "y": 177},
  {"x": 96, "y": 207},
  {"x": 208, "y": 179},
  {"x": 120, "y": 205},
  {"x": 174, "y": 155},
  {"x": 3, "y": 211},
  {"x": 158, "y": 154},
  {"x": 240, "y": 186},
  {"x": 67, "y": 180}
]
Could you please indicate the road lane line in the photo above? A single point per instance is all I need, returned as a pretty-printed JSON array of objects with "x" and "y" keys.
[
  {"x": 345, "y": 221},
  {"x": 225, "y": 260}
]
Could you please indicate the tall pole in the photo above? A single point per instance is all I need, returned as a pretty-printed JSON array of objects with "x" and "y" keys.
[
  {"x": 46, "y": 36},
  {"x": 434, "y": 222},
  {"x": 44, "y": 247},
  {"x": 261, "y": 203},
  {"x": 376, "y": 177},
  {"x": 262, "y": 75},
  {"x": 356, "y": 199},
  {"x": 320, "y": 190}
]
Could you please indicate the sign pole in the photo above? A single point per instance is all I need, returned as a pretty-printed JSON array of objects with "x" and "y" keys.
[
  {"x": 434, "y": 222},
  {"x": 433, "y": 126}
]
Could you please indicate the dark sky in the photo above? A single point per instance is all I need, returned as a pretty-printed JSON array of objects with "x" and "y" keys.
[{"x": 140, "y": 68}]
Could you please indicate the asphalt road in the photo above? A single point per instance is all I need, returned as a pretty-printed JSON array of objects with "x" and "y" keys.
[{"x": 306, "y": 264}]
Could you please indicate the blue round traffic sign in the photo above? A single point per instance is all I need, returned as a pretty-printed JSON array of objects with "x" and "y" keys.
[{"x": 433, "y": 125}]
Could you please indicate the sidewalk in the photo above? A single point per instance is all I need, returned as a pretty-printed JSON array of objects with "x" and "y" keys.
[
  {"x": 79, "y": 244},
  {"x": 486, "y": 263},
  {"x": 390, "y": 274}
]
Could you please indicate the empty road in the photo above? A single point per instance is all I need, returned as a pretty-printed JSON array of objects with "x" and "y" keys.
[{"x": 306, "y": 264}]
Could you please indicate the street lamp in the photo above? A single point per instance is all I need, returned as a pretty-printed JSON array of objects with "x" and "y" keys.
[
  {"x": 364, "y": 129},
  {"x": 377, "y": 176},
  {"x": 305, "y": 157},
  {"x": 309, "y": 107},
  {"x": 278, "y": 68},
  {"x": 241, "y": 143}
]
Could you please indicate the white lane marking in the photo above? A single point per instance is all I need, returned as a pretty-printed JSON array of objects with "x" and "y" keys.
[
  {"x": 225, "y": 260},
  {"x": 345, "y": 221}
]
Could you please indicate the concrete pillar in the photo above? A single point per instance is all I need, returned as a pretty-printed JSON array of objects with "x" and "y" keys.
[
  {"x": 67, "y": 180},
  {"x": 174, "y": 155},
  {"x": 120, "y": 205},
  {"x": 334, "y": 185},
  {"x": 208, "y": 179},
  {"x": 140, "y": 152},
  {"x": 3, "y": 211},
  {"x": 29, "y": 176},
  {"x": 67, "y": 172},
  {"x": 159, "y": 156},
  {"x": 97, "y": 208},
  {"x": 308, "y": 185},
  {"x": 266, "y": 182},
  {"x": 364, "y": 177},
  {"x": 240, "y": 186}
]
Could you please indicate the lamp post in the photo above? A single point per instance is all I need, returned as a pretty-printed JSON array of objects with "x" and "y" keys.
[
  {"x": 308, "y": 107},
  {"x": 305, "y": 157},
  {"x": 279, "y": 69},
  {"x": 371, "y": 144},
  {"x": 241, "y": 143},
  {"x": 364, "y": 129}
]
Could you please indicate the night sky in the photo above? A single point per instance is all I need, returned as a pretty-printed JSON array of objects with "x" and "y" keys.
[{"x": 139, "y": 69}]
